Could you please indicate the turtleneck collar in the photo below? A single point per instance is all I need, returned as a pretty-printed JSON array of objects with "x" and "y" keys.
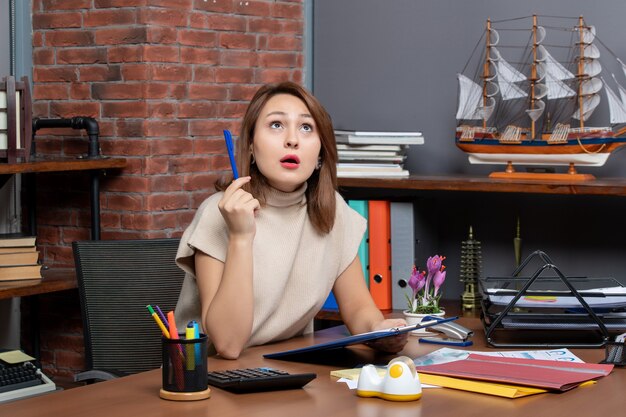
[{"x": 277, "y": 198}]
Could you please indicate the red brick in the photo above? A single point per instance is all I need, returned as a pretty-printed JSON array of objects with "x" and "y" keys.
[
  {"x": 119, "y": 91},
  {"x": 238, "y": 58},
  {"x": 214, "y": 146},
  {"x": 123, "y": 202},
  {"x": 69, "y": 38},
  {"x": 220, "y": 163},
  {"x": 156, "y": 221},
  {"x": 261, "y": 42},
  {"x": 162, "y": 16},
  {"x": 75, "y": 108},
  {"x": 192, "y": 164},
  {"x": 163, "y": 110},
  {"x": 157, "y": 53},
  {"x": 37, "y": 39},
  {"x": 129, "y": 128},
  {"x": 127, "y": 183},
  {"x": 157, "y": 165},
  {"x": 43, "y": 56},
  {"x": 284, "y": 43},
  {"x": 125, "y": 53},
  {"x": 82, "y": 56},
  {"x": 130, "y": 147},
  {"x": 272, "y": 75},
  {"x": 125, "y": 109},
  {"x": 163, "y": 72},
  {"x": 178, "y": 4},
  {"x": 48, "y": 234},
  {"x": 211, "y": 6},
  {"x": 207, "y": 92},
  {"x": 162, "y": 183},
  {"x": 171, "y": 147},
  {"x": 55, "y": 74},
  {"x": 60, "y": 257},
  {"x": 66, "y": 4},
  {"x": 226, "y": 22},
  {"x": 208, "y": 128},
  {"x": 287, "y": 11},
  {"x": 198, "y": 56},
  {"x": 242, "y": 92},
  {"x": 237, "y": 41},
  {"x": 107, "y": 4},
  {"x": 264, "y": 24},
  {"x": 112, "y": 17},
  {"x": 203, "y": 74},
  {"x": 255, "y": 8},
  {"x": 70, "y": 235},
  {"x": 110, "y": 220},
  {"x": 50, "y": 91},
  {"x": 198, "y": 109},
  {"x": 100, "y": 73},
  {"x": 120, "y": 36},
  {"x": 198, "y": 20},
  {"x": 231, "y": 110},
  {"x": 200, "y": 181},
  {"x": 197, "y": 38},
  {"x": 136, "y": 72},
  {"x": 293, "y": 27},
  {"x": 169, "y": 201},
  {"x": 178, "y": 91},
  {"x": 56, "y": 20},
  {"x": 165, "y": 128},
  {"x": 278, "y": 60},
  {"x": 162, "y": 34},
  {"x": 68, "y": 359},
  {"x": 234, "y": 75}
]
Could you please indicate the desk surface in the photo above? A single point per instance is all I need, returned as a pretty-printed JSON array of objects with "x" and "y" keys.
[
  {"x": 137, "y": 395},
  {"x": 53, "y": 280}
]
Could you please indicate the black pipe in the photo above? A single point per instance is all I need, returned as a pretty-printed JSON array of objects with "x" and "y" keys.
[{"x": 78, "y": 122}]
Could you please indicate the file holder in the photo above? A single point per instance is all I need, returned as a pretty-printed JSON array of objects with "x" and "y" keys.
[
  {"x": 521, "y": 326},
  {"x": 615, "y": 353}
]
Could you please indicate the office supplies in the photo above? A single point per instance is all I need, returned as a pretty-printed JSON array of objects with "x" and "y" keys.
[
  {"x": 358, "y": 338},
  {"x": 258, "y": 379},
  {"x": 361, "y": 207},
  {"x": 196, "y": 335},
  {"x": 194, "y": 384},
  {"x": 453, "y": 330},
  {"x": 190, "y": 334},
  {"x": 399, "y": 382},
  {"x": 231, "y": 152},
  {"x": 402, "y": 251},
  {"x": 178, "y": 365},
  {"x": 445, "y": 341},
  {"x": 156, "y": 318},
  {"x": 380, "y": 253},
  {"x": 162, "y": 317},
  {"x": 550, "y": 375},
  {"x": 616, "y": 351},
  {"x": 19, "y": 378}
]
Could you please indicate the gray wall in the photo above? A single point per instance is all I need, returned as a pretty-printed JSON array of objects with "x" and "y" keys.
[{"x": 391, "y": 65}]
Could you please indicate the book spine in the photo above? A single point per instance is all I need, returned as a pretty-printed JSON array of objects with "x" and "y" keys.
[{"x": 380, "y": 253}]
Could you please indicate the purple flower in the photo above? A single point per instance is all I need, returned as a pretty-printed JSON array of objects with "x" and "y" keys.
[
  {"x": 434, "y": 264},
  {"x": 417, "y": 280},
  {"x": 438, "y": 279}
]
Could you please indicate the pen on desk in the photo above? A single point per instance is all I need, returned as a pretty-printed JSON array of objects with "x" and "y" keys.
[
  {"x": 156, "y": 318},
  {"x": 190, "y": 334},
  {"x": 162, "y": 317},
  {"x": 177, "y": 358},
  {"x": 231, "y": 152}
]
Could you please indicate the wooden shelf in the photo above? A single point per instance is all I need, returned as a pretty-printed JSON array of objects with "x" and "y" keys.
[
  {"x": 605, "y": 186},
  {"x": 61, "y": 164},
  {"x": 53, "y": 280}
]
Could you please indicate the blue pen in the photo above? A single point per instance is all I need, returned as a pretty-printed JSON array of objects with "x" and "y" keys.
[
  {"x": 196, "y": 332},
  {"x": 231, "y": 152}
]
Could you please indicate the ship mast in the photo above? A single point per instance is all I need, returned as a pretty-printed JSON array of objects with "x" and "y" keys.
[
  {"x": 533, "y": 76},
  {"x": 581, "y": 69},
  {"x": 486, "y": 71}
]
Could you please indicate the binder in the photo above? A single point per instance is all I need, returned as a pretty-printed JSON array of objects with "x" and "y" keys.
[
  {"x": 360, "y": 206},
  {"x": 380, "y": 253},
  {"x": 402, "y": 251}
]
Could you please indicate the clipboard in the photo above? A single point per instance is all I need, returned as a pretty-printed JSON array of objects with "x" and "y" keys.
[{"x": 360, "y": 338}]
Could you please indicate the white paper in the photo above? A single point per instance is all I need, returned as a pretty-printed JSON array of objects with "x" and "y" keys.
[{"x": 445, "y": 355}]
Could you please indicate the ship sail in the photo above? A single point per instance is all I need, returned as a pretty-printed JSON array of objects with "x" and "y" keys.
[
  {"x": 617, "y": 110},
  {"x": 507, "y": 76},
  {"x": 590, "y": 99},
  {"x": 553, "y": 74},
  {"x": 470, "y": 101}
]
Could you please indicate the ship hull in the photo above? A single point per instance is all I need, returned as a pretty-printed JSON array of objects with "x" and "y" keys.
[{"x": 583, "y": 152}]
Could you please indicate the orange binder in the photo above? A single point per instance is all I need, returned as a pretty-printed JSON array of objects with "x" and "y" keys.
[{"x": 380, "y": 253}]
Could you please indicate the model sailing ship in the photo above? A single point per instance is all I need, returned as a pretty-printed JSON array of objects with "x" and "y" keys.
[{"x": 535, "y": 112}]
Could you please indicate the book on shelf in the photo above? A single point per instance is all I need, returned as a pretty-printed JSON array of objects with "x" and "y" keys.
[
  {"x": 16, "y": 240},
  {"x": 19, "y": 258},
  {"x": 372, "y": 174},
  {"x": 371, "y": 148},
  {"x": 20, "y": 272},
  {"x": 372, "y": 138},
  {"x": 394, "y": 159},
  {"x": 18, "y": 249}
]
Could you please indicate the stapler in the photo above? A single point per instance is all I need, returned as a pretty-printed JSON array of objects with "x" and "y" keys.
[{"x": 457, "y": 335}]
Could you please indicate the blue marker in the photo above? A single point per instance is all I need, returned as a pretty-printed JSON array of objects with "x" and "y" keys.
[{"x": 231, "y": 152}]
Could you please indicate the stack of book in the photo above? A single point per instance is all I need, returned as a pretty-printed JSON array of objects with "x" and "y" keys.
[
  {"x": 18, "y": 258},
  {"x": 374, "y": 154}
]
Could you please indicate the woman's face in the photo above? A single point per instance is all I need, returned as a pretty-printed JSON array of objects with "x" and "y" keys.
[{"x": 286, "y": 143}]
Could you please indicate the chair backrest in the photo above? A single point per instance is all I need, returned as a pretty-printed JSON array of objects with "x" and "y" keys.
[{"x": 116, "y": 280}]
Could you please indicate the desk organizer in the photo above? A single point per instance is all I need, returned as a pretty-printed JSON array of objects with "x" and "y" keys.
[
  {"x": 551, "y": 311},
  {"x": 615, "y": 353}
]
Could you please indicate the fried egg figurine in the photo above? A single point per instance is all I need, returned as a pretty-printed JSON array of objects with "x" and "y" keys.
[{"x": 399, "y": 383}]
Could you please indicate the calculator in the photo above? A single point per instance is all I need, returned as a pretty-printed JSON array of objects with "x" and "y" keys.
[{"x": 258, "y": 379}]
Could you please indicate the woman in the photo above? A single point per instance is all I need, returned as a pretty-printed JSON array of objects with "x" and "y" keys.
[{"x": 262, "y": 255}]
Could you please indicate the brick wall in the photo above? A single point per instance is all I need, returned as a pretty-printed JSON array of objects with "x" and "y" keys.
[{"x": 163, "y": 78}]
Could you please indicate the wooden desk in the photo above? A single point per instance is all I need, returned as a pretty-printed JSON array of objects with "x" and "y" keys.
[
  {"x": 137, "y": 395},
  {"x": 53, "y": 280}
]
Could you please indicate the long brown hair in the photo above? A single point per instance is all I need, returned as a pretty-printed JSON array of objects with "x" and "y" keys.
[{"x": 321, "y": 185}]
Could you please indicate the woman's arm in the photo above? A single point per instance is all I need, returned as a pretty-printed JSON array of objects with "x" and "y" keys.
[
  {"x": 359, "y": 311},
  {"x": 226, "y": 290}
]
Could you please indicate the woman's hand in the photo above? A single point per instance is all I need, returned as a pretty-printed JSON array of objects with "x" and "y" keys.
[
  {"x": 391, "y": 344},
  {"x": 238, "y": 207}
]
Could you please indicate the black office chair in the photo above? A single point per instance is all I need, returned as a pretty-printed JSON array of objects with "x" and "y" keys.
[{"x": 116, "y": 280}]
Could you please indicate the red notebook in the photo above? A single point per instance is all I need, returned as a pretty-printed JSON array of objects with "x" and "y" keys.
[{"x": 553, "y": 375}]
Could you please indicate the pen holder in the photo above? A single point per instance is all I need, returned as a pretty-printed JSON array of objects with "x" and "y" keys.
[
  {"x": 185, "y": 369},
  {"x": 615, "y": 353}
]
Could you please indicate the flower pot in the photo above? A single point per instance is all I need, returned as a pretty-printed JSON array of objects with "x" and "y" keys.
[{"x": 415, "y": 318}]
